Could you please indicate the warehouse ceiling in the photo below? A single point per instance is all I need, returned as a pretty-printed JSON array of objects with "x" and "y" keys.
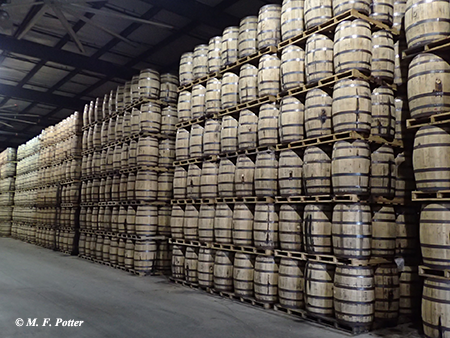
[{"x": 46, "y": 74}]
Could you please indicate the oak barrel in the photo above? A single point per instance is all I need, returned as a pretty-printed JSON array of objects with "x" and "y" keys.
[
  {"x": 243, "y": 274},
  {"x": 290, "y": 227},
  {"x": 266, "y": 279},
  {"x": 265, "y": 227},
  {"x": 223, "y": 271},
  {"x": 290, "y": 167},
  {"x": 319, "y": 287},
  {"x": 291, "y": 283},
  {"x": 317, "y": 229}
]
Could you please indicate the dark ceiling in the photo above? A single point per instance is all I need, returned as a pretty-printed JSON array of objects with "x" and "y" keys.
[{"x": 44, "y": 72}]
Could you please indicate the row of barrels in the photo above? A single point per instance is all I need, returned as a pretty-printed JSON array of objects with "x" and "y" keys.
[
  {"x": 48, "y": 195},
  {"x": 144, "y": 185},
  {"x": 142, "y": 220},
  {"x": 28, "y": 148},
  {"x": 50, "y": 216},
  {"x": 352, "y": 109},
  {"x": 350, "y": 230},
  {"x": 7, "y": 184},
  {"x": 149, "y": 84},
  {"x": 351, "y": 169},
  {"x": 27, "y": 233},
  {"x": 273, "y": 24},
  {"x": 145, "y": 152},
  {"x": 150, "y": 118},
  {"x": 8, "y": 155},
  {"x": 5, "y": 228},
  {"x": 355, "y": 295},
  {"x": 68, "y": 127},
  {"x": 47, "y": 237},
  {"x": 141, "y": 255},
  {"x": 6, "y": 213},
  {"x": 8, "y": 170}
]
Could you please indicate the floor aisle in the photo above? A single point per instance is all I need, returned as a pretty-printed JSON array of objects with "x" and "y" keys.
[{"x": 39, "y": 283}]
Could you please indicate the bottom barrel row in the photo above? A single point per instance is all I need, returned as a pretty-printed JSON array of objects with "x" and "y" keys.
[
  {"x": 142, "y": 255},
  {"x": 355, "y": 295}
]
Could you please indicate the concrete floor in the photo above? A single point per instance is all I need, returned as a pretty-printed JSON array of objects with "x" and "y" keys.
[{"x": 39, "y": 283}]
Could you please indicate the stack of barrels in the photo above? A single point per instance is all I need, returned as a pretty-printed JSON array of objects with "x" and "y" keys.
[
  {"x": 47, "y": 187},
  {"x": 244, "y": 155},
  {"x": 7, "y": 181},
  {"x": 127, "y": 175}
]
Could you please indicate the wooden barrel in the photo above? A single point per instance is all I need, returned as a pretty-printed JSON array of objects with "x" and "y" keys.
[
  {"x": 248, "y": 130},
  {"x": 169, "y": 118},
  {"x": 119, "y": 127},
  {"x": 184, "y": 106},
  {"x": 290, "y": 227},
  {"x": 131, "y": 187},
  {"x": 186, "y": 68},
  {"x": 292, "y": 13},
  {"x": 115, "y": 187},
  {"x": 265, "y": 227},
  {"x": 431, "y": 165},
  {"x": 122, "y": 219},
  {"x": 182, "y": 144},
  {"x": 383, "y": 11},
  {"x": 223, "y": 271},
  {"x": 401, "y": 115},
  {"x": 114, "y": 219},
  {"x": 404, "y": 174},
  {"x": 206, "y": 218},
  {"x": 266, "y": 279},
  {"x": 247, "y": 38},
  {"x": 148, "y": 84},
  {"x": 290, "y": 167},
  {"x": 268, "y": 125},
  {"x": 292, "y": 67},
  {"x": 198, "y": 101},
  {"x": 120, "y": 99},
  {"x": 212, "y": 96},
  {"x": 242, "y": 224},
  {"x": 107, "y": 215},
  {"x": 269, "y": 75},
  {"x": 243, "y": 274},
  {"x": 383, "y": 54},
  {"x": 407, "y": 239},
  {"x": 146, "y": 220},
  {"x": 132, "y": 154},
  {"x": 382, "y": 179},
  {"x": 317, "y": 13},
  {"x": 436, "y": 307},
  {"x": 354, "y": 295},
  {"x": 316, "y": 171},
  {"x": 426, "y": 22},
  {"x": 81, "y": 243},
  {"x": 352, "y": 106},
  {"x": 387, "y": 293},
  {"x": 317, "y": 229},
  {"x": 191, "y": 264},
  {"x": 399, "y": 14},
  {"x": 150, "y": 118},
  {"x": 383, "y": 113},
  {"x": 266, "y": 174},
  {"x": 193, "y": 181},
  {"x": 350, "y": 167},
  {"x": 164, "y": 258},
  {"x": 87, "y": 244},
  {"x": 190, "y": 223},
  {"x": 428, "y": 83},
  {"x": 291, "y": 120},
  {"x": 248, "y": 83},
  {"x": 214, "y": 54},
  {"x": 176, "y": 222},
  {"x": 223, "y": 223},
  {"x": 135, "y": 120},
  {"x": 318, "y": 107},
  {"x": 353, "y": 45},
  {"x": 342, "y": 6},
  {"x": 146, "y": 188},
  {"x": 113, "y": 248},
  {"x": 144, "y": 256},
  {"x": 400, "y": 66},
  {"x": 105, "y": 249},
  {"x": 111, "y": 130},
  {"x": 165, "y": 186},
  {"x": 229, "y": 96},
  {"x": 243, "y": 177},
  {"x": 435, "y": 221},
  {"x": 269, "y": 26},
  {"x": 164, "y": 213},
  {"x": 319, "y": 289},
  {"x": 410, "y": 291},
  {"x": 196, "y": 141},
  {"x": 229, "y": 135},
  {"x": 200, "y": 61},
  {"x": 351, "y": 231},
  {"x": 166, "y": 153},
  {"x": 208, "y": 180},
  {"x": 123, "y": 157},
  {"x": 168, "y": 90},
  {"x": 211, "y": 137},
  {"x": 225, "y": 178},
  {"x": 178, "y": 262},
  {"x": 384, "y": 231},
  {"x": 230, "y": 45},
  {"x": 205, "y": 268},
  {"x": 291, "y": 283},
  {"x": 147, "y": 151},
  {"x": 122, "y": 189},
  {"x": 129, "y": 254}
]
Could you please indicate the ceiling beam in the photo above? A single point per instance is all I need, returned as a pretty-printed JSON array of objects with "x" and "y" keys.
[
  {"x": 42, "y": 97},
  {"x": 39, "y": 51}
]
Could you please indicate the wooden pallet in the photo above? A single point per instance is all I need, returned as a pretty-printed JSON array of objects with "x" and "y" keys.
[
  {"x": 248, "y": 199},
  {"x": 247, "y": 300},
  {"x": 242, "y": 249},
  {"x": 197, "y": 160},
  {"x": 426, "y": 271},
  {"x": 322, "y": 320},
  {"x": 436, "y": 119},
  {"x": 439, "y": 45},
  {"x": 248, "y": 105},
  {"x": 247, "y": 152},
  {"x": 184, "y": 242},
  {"x": 193, "y": 201},
  {"x": 184, "y": 283},
  {"x": 441, "y": 195}
]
